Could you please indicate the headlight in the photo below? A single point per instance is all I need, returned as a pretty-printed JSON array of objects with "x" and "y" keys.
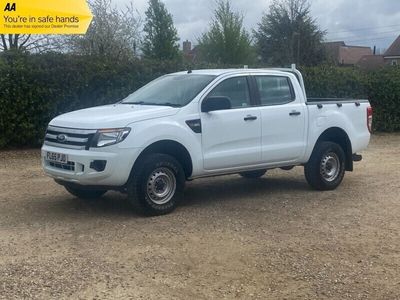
[{"x": 107, "y": 137}]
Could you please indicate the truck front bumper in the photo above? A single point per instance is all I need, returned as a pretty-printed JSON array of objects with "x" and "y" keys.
[{"x": 109, "y": 166}]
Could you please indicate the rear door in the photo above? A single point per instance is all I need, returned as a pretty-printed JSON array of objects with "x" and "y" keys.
[
  {"x": 232, "y": 137},
  {"x": 283, "y": 117}
]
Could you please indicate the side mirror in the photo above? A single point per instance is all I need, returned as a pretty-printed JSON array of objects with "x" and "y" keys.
[{"x": 215, "y": 103}]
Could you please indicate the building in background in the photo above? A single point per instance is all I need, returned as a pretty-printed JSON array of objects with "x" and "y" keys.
[
  {"x": 187, "y": 46},
  {"x": 371, "y": 62},
  {"x": 189, "y": 53},
  {"x": 392, "y": 55},
  {"x": 342, "y": 54}
]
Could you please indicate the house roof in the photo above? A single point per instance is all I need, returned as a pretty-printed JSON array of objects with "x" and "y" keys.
[
  {"x": 371, "y": 61},
  {"x": 350, "y": 55},
  {"x": 346, "y": 54},
  {"x": 337, "y": 44},
  {"x": 394, "y": 49}
]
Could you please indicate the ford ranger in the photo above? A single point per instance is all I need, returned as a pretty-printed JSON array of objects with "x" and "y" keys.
[{"x": 202, "y": 123}]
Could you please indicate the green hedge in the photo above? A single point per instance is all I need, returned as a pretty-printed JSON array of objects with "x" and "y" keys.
[
  {"x": 334, "y": 82},
  {"x": 36, "y": 88},
  {"x": 384, "y": 94},
  {"x": 381, "y": 87}
]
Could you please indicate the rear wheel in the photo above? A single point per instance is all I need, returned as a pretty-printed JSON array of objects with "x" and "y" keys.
[
  {"x": 156, "y": 185},
  {"x": 84, "y": 193},
  {"x": 253, "y": 174},
  {"x": 326, "y": 167}
]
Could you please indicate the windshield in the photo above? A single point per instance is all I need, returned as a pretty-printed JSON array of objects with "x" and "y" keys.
[{"x": 170, "y": 90}]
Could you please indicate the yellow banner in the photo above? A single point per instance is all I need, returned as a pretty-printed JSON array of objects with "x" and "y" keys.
[{"x": 44, "y": 16}]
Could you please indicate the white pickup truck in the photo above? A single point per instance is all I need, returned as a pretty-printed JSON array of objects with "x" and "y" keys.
[{"x": 194, "y": 124}]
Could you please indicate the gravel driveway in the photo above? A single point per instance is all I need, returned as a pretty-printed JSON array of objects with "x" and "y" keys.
[{"x": 269, "y": 238}]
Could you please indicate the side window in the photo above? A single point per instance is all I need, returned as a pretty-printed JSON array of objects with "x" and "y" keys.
[
  {"x": 274, "y": 90},
  {"x": 235, "y": 89}
]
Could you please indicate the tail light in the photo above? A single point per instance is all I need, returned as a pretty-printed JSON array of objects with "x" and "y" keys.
[{"x": 369, "y": 118}]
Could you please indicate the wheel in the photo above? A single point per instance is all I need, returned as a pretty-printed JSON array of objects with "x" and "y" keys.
[
  {"x": 85, "y": 193},
  {"x": 253, "y": 174},
  {"x": 326, "y": 167},
  {"x": 156, "y": 185}
]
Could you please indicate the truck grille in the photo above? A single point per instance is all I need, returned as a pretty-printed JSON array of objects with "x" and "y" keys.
[{"x": 69, "y": 137}]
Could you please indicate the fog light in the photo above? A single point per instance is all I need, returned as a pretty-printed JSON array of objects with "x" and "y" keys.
[{"x": 98, "y": 165}]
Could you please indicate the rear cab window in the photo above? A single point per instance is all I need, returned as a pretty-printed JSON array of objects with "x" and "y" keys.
[{"x": 274, "y": 90}]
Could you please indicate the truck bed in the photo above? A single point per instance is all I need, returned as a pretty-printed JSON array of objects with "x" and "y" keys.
[{"x": 351, "y": 114}]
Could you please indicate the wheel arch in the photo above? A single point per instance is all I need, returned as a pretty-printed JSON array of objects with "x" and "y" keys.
[
  {"x": 172, "y": 148},
  {"x": 340, "y": 137}
]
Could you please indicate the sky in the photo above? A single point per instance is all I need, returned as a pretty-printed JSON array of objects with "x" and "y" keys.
[{"x": 357, "y": 22}]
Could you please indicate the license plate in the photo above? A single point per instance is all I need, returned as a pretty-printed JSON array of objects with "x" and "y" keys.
[{"x": 57, "y": 157}]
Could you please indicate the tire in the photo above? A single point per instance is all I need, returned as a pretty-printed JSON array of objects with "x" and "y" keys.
[
  {"x": 156, "y": 185},
  {"x": 326, "y": 168},
  {"x": 253, "y": 174},
  {"x": 85, "y": 193}
]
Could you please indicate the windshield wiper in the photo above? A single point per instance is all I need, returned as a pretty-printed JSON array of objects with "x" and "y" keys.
[{"x": 168, "y": 104}]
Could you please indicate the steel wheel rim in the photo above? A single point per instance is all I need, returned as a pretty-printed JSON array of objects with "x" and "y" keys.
[
  {"x": 161, "y": 186},
  {"x": 330, "y": 166}
]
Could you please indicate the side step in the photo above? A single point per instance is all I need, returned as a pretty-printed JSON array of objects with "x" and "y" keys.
[{"x": 357, "y": 157}]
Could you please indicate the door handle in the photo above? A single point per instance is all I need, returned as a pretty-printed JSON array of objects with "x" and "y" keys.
[
  {"x": 250, "y": 118},
  {"x": 295, "y": 113}
]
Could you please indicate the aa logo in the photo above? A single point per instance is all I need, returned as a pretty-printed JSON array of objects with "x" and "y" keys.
[{"x": 11, "y": 7}]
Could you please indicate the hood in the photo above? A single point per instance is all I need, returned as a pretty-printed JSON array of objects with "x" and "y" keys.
[{"x": 111, "y": 116}]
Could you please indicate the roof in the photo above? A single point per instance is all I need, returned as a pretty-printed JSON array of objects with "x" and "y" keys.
[
  {"x": 394, "y": 49},
  {"x": 371, "y": 61},
  {"x": 350, "y": 55},
  {"x": 346, "y": 54},
  {"x": 335, "y": 44},
  {"x": 219, "y": 72},
  {"x": 342, "y": 44}
]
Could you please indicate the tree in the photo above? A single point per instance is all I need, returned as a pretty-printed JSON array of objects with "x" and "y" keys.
[
  {"x": 288, "y": 34},
  {"x": 161, "y": 36},
  {"x": 226, "y": 41},
  {"x": 14, "y": 41},
  {"x": 113, "y": 33},
  {"x": 26, "y": 43}
]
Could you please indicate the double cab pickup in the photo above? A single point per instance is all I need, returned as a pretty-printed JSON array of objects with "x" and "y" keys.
[{"x": 201, "y": 123}]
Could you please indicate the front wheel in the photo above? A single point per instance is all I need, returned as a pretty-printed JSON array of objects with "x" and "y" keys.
[
  {"x": 84, "y": 193},
  {"x": 156, "y": 185},
  {"x": 326, "y": 167}
]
